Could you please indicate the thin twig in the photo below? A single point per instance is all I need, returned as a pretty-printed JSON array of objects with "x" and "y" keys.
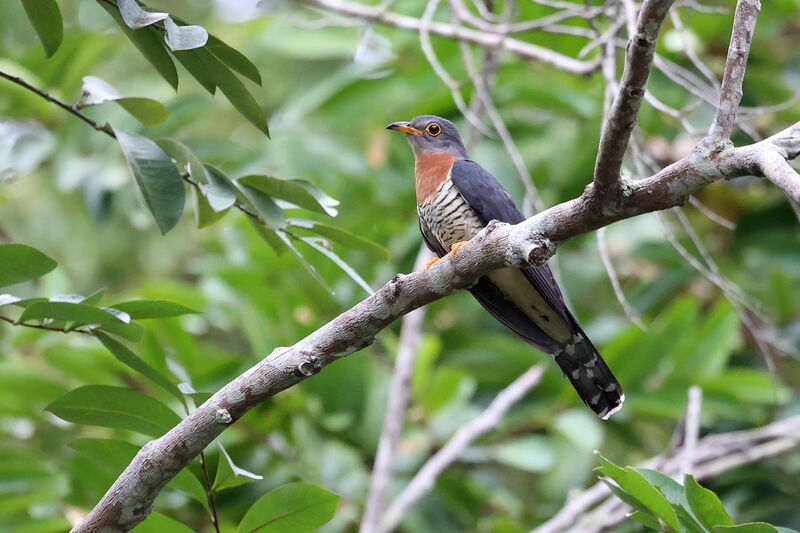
[
  {"x": 744, "y": 23},
  {"x": 43, "y": 327},
  {"x": 619, "y": 124},
  {"x": 443, "y": 29},
  {"x": 630, "y": 312},
  {"x": 425, "y": 478}
]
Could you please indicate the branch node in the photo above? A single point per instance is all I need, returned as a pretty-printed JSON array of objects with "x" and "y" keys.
[{"x": 222, "y": 416}]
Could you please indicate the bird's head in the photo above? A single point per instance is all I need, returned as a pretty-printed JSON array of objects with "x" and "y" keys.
[{"x": 429, "y": 134}]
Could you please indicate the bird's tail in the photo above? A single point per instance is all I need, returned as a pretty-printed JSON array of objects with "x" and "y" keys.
[{"x": 589, "y": 374}]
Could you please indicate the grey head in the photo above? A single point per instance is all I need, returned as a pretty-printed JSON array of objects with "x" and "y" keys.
[{"x": 429, "y": 134}]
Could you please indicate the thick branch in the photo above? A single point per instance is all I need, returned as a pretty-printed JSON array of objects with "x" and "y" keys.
[
  {"x": 443, "y": 29},
  {"x": 130, "y": 498},
  {"x": 622, "y": 117},
  {"x": 744, "y": 23}
]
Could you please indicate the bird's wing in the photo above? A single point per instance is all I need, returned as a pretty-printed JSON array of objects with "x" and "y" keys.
[{"x": 491, "y": 202}]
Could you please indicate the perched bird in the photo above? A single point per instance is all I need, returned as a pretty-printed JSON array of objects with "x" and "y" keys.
[{"x": 456, "y": 198}]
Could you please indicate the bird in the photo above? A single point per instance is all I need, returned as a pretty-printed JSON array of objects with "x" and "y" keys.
[{"x": 456, "y": 198}]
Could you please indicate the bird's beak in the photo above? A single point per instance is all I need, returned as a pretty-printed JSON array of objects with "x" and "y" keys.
[{"x": 404, "y": 127}]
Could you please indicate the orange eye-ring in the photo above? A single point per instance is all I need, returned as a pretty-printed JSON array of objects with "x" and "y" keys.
[{"x": 433, "y": 129}]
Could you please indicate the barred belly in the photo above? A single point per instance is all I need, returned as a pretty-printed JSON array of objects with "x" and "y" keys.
[{"x": 448, "y": 216}]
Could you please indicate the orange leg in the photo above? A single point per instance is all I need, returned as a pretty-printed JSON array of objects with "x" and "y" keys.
[
  {"x": 456, "y": 246},
  {"x": 431, "y": 262}
]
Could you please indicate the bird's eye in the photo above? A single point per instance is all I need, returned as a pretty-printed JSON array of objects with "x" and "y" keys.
[{"x": 433, "y": 129}]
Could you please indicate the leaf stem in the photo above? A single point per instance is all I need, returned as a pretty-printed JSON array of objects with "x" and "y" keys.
[
  {"x": 37, "y": 326},
  {"x": 209, "y": 492}
]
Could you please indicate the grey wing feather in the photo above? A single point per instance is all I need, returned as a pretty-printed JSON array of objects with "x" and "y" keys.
[{"x": 491, "y": 202}]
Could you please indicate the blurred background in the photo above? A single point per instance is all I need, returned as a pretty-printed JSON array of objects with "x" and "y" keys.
[{"x": 330, "y": 85}]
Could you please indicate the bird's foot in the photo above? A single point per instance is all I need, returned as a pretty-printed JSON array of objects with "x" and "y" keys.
[
  {"x": 456, "y": 246},
  {"x": 431, "y": 262}
]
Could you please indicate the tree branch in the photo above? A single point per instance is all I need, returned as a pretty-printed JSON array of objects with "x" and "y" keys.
[
  {"x": 533, "y": 241},
  {"x": 443, "y": 29},
  {"x": 622, "y": 117},
  {"x": 744, "y": 23}
]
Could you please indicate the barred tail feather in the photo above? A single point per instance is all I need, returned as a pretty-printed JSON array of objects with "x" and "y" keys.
[{"x": 589, "y": 374}]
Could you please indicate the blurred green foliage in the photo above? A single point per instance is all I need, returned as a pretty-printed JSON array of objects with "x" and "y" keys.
[{"x": 66, "y": 190}]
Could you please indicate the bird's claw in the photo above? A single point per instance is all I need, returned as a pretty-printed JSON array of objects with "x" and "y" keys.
[
  {"x": 431, "y": 262},
  {"x": 456, "y": 246}
]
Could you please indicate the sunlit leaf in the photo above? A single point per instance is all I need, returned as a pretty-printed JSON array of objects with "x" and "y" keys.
[
  {"x": 753, "y": 527},
  {"x": 144, "y": 309},
  {"x": 296, "y": 507},
  {"x": 115, "y": 407},
  {"x": 127, "y": 357},
  {"x": 633, "y": 483},
  {"x": 46, "y": 20},
  {"x": 20, "y": 263},
  {"x": 149, "y": 43},
  {"x": 158, "y": 180},
  {"x": 136, "y": 17},
  {"x": 705, "y": 504},
  {"x": 84, "y": 314},
  {"x": 184, "y": 37}
]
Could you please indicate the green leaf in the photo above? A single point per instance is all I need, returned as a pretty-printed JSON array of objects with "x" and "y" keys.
[
  {"x": 221, "y": 192},
  {"x": 646, "y": 519},
  {"x": 229, "y": 475},
  {"x": 287, "y": 190},
  {"x": 296, "y": 507},
  {"x": 308, "y": 266},
  {"x": 144, "y": 309},
  {"x": 127, "y": 357},
  {"x": 115, "y": 407},
  {"x": 147, "y": 111},
  {"x": 158, "y": 180},
  {"x": 20, "y": 263},
  {"x": 234, "y": 90},
  {"x": 115, "y": 455},
  {"x": 233, "y": 58},
  {"x": 341, "y": 236},
  {"x": 675, "y": 493},
  {"x": 635, "y": 484},
  {"x": 136, "y": 17},
  {"x": 84, "y": 314},
  {"x": 265, "y": 206},
  {"x": 191, "y": 61},
  {"x": 46, "y": 20},
  {"x": 752, "y": 527},
  {"x": 149, "y": 43},
  {"x": 158, "y": 523},
  {"x": 705, "y": 504},
  {"x": 269, "y": 236},
  {"x": 184, "y": 37}
]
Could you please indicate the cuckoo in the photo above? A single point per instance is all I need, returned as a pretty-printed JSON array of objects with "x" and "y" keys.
[{"x": 456, "y": 198}]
